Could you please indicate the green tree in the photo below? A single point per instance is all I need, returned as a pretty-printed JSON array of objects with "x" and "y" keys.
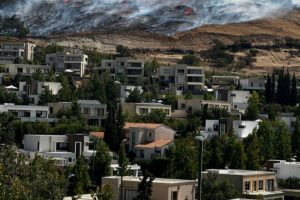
[
  {"x": 170, "y": 99},
  {"x": 296, "y": 140},
  {"x": 294, "y": 92},
  {"x": 283, "y": 141},
  {"x": 105, "y": 193},
  {"x": 253, "y": 107},
  {"x": 190, "y": 60},
  {"x": 145, "y": 187},
  {"x": 253, "y": 152},
  {"x": 123, "y": 165},
  {"x": 214, "y": 189},
  {"x": 238, "y": 156},
  {"x": 38, "y": 75},
  {"x": 101, "y": 162},
  {"x": 46, "y": 97},
  {"x": 183, "y": 155},
  {"x": 123, "y": 51},
  {"x": 135, "y": 96},
  {"x": 268, "y": 90},
  {"x": 266, "y": 136},
  {"x": 79, "y": 179}
]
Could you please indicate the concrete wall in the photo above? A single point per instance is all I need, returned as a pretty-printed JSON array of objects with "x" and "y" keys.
[
  {"x": 287, "y": 169},
  {"x": 244, "y": 128}
]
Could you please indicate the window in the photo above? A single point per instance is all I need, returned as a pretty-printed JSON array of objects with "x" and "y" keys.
[
  {"x": 261, "y": 185},
  {"x": 166, "y": 70},
  {"x": 20, "y": 70},
  {"x": 133, "y": 139},
  {"x": 180, "y": 71},
  {"x": 247, "y": 185},
  {"x": 24, "y": 88},
  {"x": 86, "y": 111},
  {"x": 174, "y": 195},
  {"x": 142, "y": 153},
  {"x": 121, "y": 63},
  {"x": 100, "y": 111},
  {"x": 143, "y": 111},
  {"x": 150, "y": 134},
  {"x": 241, "y": 126},
  {"x": 222, "y": 129},
  {"x": 41, "y": 114},
  {"x": 38, "y": 146},
  {"x": 27, "y": 70},
  {"x": 167, "y": 111},
  {"x": 70, "y": 159},
  {"x": 183, "y": 105},
  {"x": 233, "y": 95},
  {"x": 61, "y": 146},
  {"x": 216, "y": 127},
  {"x": 254, "y": 186},
  {"x": 269, "y": 185}
]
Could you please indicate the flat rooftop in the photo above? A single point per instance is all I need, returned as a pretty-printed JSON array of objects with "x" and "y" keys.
[
  {"x": 156, "y": 180},
  {"x": 239, "y": 172}
]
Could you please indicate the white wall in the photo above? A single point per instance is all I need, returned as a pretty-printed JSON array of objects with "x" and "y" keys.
[
  {"x": 244, "y": 128},
  {"x": 287, "y": 169}
]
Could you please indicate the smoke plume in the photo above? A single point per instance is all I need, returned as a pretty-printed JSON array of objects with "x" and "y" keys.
[{"x": 164, "y": 16}]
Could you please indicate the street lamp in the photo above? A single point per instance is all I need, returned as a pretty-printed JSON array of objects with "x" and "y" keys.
[{"x": 200, "y": 138}]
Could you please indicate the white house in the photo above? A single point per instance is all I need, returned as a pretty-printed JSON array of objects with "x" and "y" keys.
[
  {"x": 244, "y": 128},
  {"x": 62, "y": 148},
  {"x": 146, "y": 108},
  {"x": 253, "y": 84},
  {"x": 239, "y": 99},
  {"x": 26, "y": 112},
  {"x": 287, "y": 169},
  {"x": 32, "y": 90},
  {"x": 148, "y": 140},
  {"x": 25, "y": 69}
]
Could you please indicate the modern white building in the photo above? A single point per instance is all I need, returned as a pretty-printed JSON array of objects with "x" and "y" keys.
[
  {"x": 25, "y": 69},
  {"x": 129, "y": 70},
  {"x": 73, "y": 62},
  {"x": 182, "y": 78},
  {"x": 253, "y": 84},
  {"x": 146, "y": 108},
  {"x": 287, "y": 170},
  {"x": 26, "y": 112},
  {"x": 148, "y": 140},
  {"x": 238, "y": 127},
  {"x": 197, "y": 104},
  {"x": 126, "y": 89},
  {"x": 239, "y": 99},
  {"x": 225, "y": 80},
  {"x": 9, "y": 51},
  {"x": 31, "y": 90},
  {"x": 62, "y": 148}
]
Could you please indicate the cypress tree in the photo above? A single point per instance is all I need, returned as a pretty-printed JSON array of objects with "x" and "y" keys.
[
  {"x": 294, "y": 100},
  {"x": 253, "y": 153},
  {"x": 273, "y": 89},
  {"x": 287, "y": 87},
  {"x": 268, "y": 90}
]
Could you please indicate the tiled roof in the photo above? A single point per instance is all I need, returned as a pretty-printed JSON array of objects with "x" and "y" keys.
[
  {"x": 141, "y": 125},
  {"x": 157, "y": 143},
  {"x": 99, "y": 135}
]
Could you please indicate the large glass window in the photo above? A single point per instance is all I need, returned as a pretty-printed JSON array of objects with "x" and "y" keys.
[
  {"x": 247, "y": 185},
  {"x": 174, "y": 195},
  {"x": 61, "y": 146},
  {"x": 261, "y": 185},
  {"x": 86, "y": 111}
]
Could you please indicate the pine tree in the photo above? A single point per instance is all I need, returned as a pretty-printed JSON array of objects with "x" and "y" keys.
[
  {"x": 253, "y": 152},
  {"x": 294, "y": 94},
  {"x": 273, "y": 88},
  {"x": 123, "y": 165},
  {"x": 238, "y": 156},
  {"x": 283, "y": 141},
  {"x": 268, "y": 90},
  {"x": 145, "y": 186},
  {"x": 287, "y": 90}
]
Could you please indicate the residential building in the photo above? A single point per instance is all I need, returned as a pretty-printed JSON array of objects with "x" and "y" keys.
[
  {"x": 149, "y": 140},
  {"x": 289, "y": 120},
  {"x": 197, "y": 104},
  {"x": 182, "y": 78},
  {"x": 126, "y": 89},
  {"x": 9, "y": 51},
  {"x": 31, "y": 90},
  {"x": 25, "y": 69},
  {"x": 62, "y": 148},
  {"x": 286, "y": 169},
  {"x": 146, "y": 108},
  {"x": 93, "y": 110},
  {"x": 133, "y": 170},
  {"x": 121, "y": 69},
  {"x": 73, "y": 62},
  {"x": 225, "y": 80},
  {"x": 251, "y": 184},
  {"x": 253, "y": 84},
  {"x": 238, "y": 127},
  {"x": 26, "y": 112},
  {"x": 162, "y": 189},
  {"x": 237, "y": 98}
]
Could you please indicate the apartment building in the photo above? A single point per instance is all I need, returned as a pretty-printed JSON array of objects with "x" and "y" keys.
[
  {"x": 182, "y": 78},
  {"x": 251, "y": 184},
  {"x": 197, "y": 104},
  {"x": 146, "y": 108},
  {"x": 26, "y": 112},
  {"x": 64, "y": 149},
  {"x": 148, "y": 140},
  {"x": 253, "y": 84},
  {"x": 9, "y": 51},
  {"x": 25, "y": 69},
  {"x": 31, "y": 90},
  {"x": 93, "y": 110},
  {"x": 123, "y": 69},
  {"x": 240, "y": 128},
  {"x": 73, "y": 62},
  {"x": 162, "y": 189}
]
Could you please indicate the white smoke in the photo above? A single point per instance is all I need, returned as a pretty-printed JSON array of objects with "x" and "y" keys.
[{"x": 166, "y": 16}]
